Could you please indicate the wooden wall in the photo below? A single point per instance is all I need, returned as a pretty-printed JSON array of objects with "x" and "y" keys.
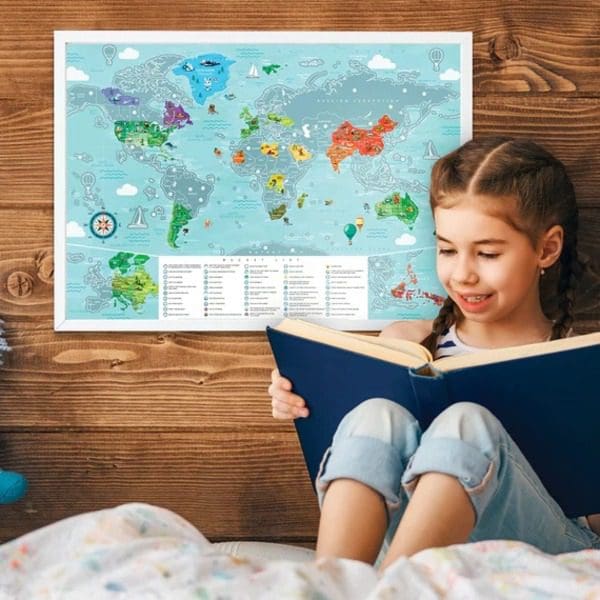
[{"x": 183, "y": 420}]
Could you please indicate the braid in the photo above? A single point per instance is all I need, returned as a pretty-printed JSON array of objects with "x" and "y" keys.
[
  {"x": 443, "y": 321},
  {"x": 571, "y": 270}
]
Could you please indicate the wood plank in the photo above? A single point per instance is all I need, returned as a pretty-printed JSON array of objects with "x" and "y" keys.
[
  {"x": 230, "y": 486},
  {"x": 523, "y": 48},
  {"x": 568, "y": 127},
  {"x": 37, "y": 398}
]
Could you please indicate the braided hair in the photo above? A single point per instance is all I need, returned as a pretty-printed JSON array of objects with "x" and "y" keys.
[
  {"x": 571, "y": 271},
  {"x": 530, "y": 189},
  {"x": 446, "y": 317}
]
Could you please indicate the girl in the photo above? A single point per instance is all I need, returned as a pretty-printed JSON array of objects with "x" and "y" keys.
[{"x": 504, "y": 213}]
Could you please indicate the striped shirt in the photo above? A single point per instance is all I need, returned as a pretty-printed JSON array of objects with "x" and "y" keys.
[{"x": 449, "y": 344}]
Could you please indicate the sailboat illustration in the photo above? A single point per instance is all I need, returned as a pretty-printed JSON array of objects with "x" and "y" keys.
[
  {"x": 431, "y": 153},
  {"x": 253, "y": 72},
  {"x": 138, "y": 221}
]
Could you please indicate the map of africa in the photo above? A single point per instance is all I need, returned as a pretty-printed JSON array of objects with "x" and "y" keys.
[{"x": 231, "y": 182}]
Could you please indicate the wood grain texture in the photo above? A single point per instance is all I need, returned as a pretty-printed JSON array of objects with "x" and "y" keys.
[
  {"x": 246, "y": 486},
  {"x": 519, "y": 47},
  {"x": 183, "y": 419}
]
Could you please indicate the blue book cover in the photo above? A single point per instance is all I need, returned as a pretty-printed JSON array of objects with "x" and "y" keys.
[{"x": 549, "y": 403}]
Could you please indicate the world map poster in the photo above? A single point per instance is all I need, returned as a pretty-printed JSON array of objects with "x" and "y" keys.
[{"x": 226, "y": 180}]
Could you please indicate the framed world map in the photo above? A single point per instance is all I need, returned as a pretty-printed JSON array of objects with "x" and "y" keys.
[{"x": 225, "y": 180}]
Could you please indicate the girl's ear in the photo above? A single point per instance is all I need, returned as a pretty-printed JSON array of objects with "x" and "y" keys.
[{"x": 550, "y": 246}]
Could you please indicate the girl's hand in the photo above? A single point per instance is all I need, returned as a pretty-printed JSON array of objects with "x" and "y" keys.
[{"x": 286, "y": 405}]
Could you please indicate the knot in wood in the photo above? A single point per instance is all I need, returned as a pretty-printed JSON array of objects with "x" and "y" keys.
[
  {"x": 20, "y": 284},
  {"x": 46, "y": 269},
  {"x": 504, "y": 47}
]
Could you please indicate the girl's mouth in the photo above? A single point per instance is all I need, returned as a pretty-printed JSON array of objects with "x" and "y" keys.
[{"x": 474, "y": 302}]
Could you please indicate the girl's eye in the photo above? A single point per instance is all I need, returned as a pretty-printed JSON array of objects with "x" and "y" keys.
[
  {"x": 445, "y": 251},
  {"x": 488, "y": 255}
]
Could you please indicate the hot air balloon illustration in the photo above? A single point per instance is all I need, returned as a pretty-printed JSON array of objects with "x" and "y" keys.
[
  {"x": 350, "y": 232},
  {"x": 109, "y": 52},
  {"x": 436, "y": 56},
  {"x": 359, "y": 222}
]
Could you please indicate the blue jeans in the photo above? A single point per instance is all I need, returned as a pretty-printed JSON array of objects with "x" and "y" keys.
[{"x": 380, "y": 444}]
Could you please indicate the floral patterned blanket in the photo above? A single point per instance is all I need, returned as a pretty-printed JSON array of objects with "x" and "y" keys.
[{"x": 141, "y": 551}]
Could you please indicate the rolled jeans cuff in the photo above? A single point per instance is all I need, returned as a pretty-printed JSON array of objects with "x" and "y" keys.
[
  {"x": 368, "y": 460},
  {"x": 471, "y": 467}
]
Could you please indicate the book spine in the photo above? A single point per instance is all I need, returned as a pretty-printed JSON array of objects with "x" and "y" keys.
[{"x": 431, "y": 392}]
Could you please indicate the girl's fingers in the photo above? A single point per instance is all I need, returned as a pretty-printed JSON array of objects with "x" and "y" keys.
[
  {"x": 285, "y": 410},
  {"x": 292, "y": 400},
  {"x": 281, "y": 382},
  {"x": 276, "y": 391},
  {"x": 286, "y": 405}
]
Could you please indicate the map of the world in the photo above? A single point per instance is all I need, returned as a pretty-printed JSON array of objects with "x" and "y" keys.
[{"x": 227, "y": 180}]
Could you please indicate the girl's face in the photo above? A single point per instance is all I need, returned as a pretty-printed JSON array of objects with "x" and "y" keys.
[{"x": 487, "y": 267}]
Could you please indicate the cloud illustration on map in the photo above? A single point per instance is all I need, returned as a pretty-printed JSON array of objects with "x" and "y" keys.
[
  {"x": 75, "y": 74},
  {"x": 127, "y": 190},
  {"x": 74, "y": 229},
  {"x": 450, "y": 75},
  {"x": 129, "y": 54},
  {"x": 380, "y": 62},
  {"x": 405, "y": 240}
]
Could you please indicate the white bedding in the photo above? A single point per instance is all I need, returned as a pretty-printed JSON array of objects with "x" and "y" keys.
[{"x": 140, "y": 551}]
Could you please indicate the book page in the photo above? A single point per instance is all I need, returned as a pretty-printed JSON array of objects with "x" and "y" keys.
[
  {"x": 497, "y": 355},
  {"x": 402, "y": 352}
]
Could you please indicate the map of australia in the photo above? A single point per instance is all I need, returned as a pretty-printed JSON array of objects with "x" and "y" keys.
[{"x": 239, "y": 149}]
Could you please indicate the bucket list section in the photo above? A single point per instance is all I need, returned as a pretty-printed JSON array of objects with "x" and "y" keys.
[{"x": 311, "y": 287}]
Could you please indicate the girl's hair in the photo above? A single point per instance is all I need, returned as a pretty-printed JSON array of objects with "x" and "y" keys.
[{"x": 527, "y": 187}]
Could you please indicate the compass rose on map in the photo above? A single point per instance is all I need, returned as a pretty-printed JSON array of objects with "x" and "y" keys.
[{"x": 103, "y": 225}]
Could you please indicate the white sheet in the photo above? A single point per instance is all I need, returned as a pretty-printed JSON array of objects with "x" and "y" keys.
[{"x": 141, "y": 551}]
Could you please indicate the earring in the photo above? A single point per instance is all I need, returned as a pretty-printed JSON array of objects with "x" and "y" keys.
[{"x": 543, "y": 271}]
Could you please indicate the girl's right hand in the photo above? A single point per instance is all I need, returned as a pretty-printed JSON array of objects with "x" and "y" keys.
[{"x": 286, "y": 405}]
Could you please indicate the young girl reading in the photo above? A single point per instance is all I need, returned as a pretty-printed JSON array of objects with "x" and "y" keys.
[{"x": 505, "y": 217}]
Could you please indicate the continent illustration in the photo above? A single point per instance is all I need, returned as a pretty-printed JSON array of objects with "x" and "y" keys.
[
  {"x": 207, "y": 74},
  {"x": 401, "y": 207},
  {"x": 131, "y": 284},
  {"x": 408, "y": 289},
  {"x": 347, "y": 139}
]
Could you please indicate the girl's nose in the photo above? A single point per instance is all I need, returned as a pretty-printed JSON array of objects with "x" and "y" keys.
[{"x": 464, "y": 272}]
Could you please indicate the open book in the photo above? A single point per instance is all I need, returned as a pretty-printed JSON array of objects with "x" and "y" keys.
[{"x": 545, "y": 394}]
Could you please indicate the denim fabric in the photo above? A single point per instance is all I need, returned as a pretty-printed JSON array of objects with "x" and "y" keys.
[{"x": 380, "y": 444}]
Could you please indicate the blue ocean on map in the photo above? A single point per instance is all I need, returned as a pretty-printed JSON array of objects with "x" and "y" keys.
[{"x": 254, "y": 150}]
